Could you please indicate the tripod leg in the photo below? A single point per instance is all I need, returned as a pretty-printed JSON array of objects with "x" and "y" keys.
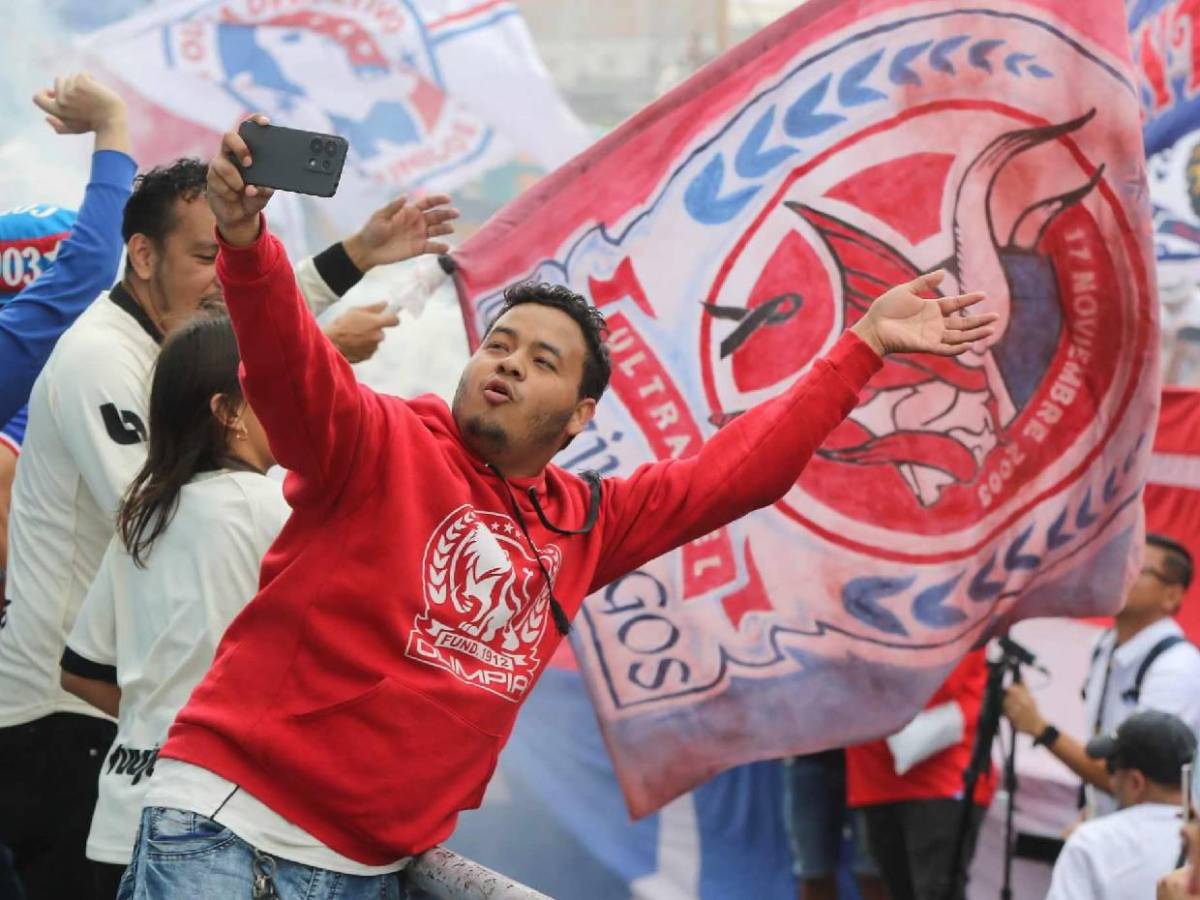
[
  {"x": 1010, "y": 790},
  {"x": 981, "y": 761}
]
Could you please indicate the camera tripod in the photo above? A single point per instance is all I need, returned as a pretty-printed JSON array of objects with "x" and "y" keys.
[{"x": 1012, "y": 657}]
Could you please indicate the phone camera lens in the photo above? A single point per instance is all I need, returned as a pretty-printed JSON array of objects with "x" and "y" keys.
[
  {"x": 331, "y": 147},
  {"x": 327, "y": 165},
  {"x": 315, "y": 146}
]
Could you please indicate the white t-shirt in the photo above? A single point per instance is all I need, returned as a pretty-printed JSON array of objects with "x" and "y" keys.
[
  {"x": 181, "y": 785},
  {"x": 1171, "y": 684},
  {"x": 85, "y": 442},
  {"x": 159, "y": 627},
  {"x": 1120, "y": 856}
]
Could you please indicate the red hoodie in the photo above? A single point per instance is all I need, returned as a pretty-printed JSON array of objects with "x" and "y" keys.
[{"x": 402, "y": 616}]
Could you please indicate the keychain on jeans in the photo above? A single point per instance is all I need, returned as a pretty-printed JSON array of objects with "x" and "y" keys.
[{"x": 263, "y": 868}]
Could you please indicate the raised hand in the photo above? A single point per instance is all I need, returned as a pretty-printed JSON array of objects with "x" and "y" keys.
[
  {"x": 78, "y": 104},
  {"x": 234, "y": 203},
  {"x": 358, "y": 332},
  {"x": 402, "y": 230},
  {"x": 902, "y": 321}
]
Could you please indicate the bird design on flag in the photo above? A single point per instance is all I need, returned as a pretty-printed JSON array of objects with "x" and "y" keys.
[{"x": 936, "y": 419}]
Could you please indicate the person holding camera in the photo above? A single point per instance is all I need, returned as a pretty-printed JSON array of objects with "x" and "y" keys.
[
  {"x": 1121, "y": 856},
  {"x": 1142, "y": 662}
]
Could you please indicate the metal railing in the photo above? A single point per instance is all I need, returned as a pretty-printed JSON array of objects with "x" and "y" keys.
[{"x": 441, "y": 874}]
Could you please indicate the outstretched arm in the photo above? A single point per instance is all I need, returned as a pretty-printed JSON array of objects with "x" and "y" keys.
[
  {"x": 385, "y": 238},
  {"x": 1022, "y": 711},
  {"x": 753, "y": 461},
  {"x": 87, "y": 260},
  {"x": 317, "y": 417}
]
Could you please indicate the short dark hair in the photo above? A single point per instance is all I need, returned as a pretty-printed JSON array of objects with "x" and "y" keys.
[
  {"x": 597, "y": 366},
  {"x": 1177, "y": 561},
  {"x": 150, "y": 208}
]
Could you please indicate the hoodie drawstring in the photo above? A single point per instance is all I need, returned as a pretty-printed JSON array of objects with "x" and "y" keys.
[{"x": 561, "y": 622}]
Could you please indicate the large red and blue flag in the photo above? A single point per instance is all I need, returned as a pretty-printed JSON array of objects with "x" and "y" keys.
[
  {"x": 1165, "y": 41},
  {"x": 731, "y": 231}
]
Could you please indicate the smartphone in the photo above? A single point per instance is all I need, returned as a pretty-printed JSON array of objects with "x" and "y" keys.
[{"x": 301, "y": 162}]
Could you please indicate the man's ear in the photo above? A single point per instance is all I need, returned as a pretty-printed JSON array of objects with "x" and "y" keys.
[
  {"x": 585, "y": 409},
  {"x": 1172, "y": 599},
  {"x": 1137, "y": 783},
  {"x": 141, "y": 255}
]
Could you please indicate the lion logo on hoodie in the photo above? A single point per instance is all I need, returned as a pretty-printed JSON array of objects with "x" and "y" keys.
[{"x": 486, "y": 602}]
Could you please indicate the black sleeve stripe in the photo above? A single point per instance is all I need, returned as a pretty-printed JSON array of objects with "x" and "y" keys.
[
  {"x": 77, "y": 665},
  {"x": 337, "y": 269}
]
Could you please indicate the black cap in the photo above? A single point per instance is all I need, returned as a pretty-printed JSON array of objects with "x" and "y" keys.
[{"x": 1155, "y": 743}]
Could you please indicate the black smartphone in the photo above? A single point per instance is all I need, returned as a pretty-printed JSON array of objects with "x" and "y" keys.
[{"x": 287, "y": 159}]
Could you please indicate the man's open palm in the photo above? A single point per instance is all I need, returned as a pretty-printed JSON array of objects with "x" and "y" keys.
[
  {"x": 902, "y": 321},
  {"x": 402, "y": 230}
]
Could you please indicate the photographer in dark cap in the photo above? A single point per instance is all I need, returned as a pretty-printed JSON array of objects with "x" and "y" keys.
[{"x": 1121, "y": 856}]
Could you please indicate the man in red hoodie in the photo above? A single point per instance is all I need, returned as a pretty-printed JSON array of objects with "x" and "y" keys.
[{"x": 431, "y": 565}]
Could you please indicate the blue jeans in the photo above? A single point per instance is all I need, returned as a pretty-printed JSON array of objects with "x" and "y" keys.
[
  {"x": 824, "y": 835},
  {"x": 184, "y": 855}
]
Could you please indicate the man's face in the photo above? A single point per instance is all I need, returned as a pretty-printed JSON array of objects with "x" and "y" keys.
[
  {"x": 518, "y": 398},
  {"x": 1151, "y": 593},
  {"x": 185, "y": 273}
]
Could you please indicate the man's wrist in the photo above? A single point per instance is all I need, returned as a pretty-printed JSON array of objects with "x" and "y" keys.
[
  {"x": 356, "y": 249},
  {"x": 112, "y": 133},
  {"x": 867, "y": 335},
  {"x": 337, "y": 269},
  {"x": 242, "y": 234},
  {"x": 1046, "y": 736}
]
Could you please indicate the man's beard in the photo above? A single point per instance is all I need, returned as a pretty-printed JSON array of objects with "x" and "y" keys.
[
  {"x": 479, "y": 434},
  {"x": 546, "y": 430},
  {"x": 489, "y": 437}
]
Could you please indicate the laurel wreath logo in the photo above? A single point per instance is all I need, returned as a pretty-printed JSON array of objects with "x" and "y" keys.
[{"x": 439, "y": 563}]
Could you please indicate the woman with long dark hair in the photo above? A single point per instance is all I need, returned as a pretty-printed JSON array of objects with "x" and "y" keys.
[{"x": 191, "y": 533}]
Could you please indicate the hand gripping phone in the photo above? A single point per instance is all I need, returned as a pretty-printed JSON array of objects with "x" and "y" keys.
[{"x": 301, "y": 162}]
